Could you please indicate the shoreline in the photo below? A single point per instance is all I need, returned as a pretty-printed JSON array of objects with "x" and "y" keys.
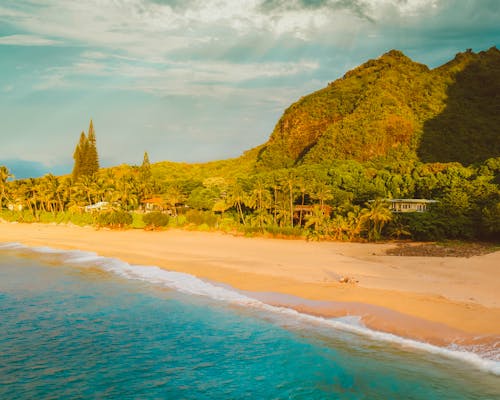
[{"x": 439, "y": 300}]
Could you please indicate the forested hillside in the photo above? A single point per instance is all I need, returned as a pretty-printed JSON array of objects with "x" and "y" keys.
[{"x": 393, "y": 108}]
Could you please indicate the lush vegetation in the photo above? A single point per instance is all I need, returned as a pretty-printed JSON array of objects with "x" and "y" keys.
[
  {"x": 155, "y": 219},
  {"x": 392, "y": 109},
  {"x": 380, "y": 132},
  {"x": 338, "y": 194}
]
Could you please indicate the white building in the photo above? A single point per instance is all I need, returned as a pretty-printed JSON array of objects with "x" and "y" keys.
[
  {"x": 102, "y": 205},
  {"x": 410, "y": 205}
]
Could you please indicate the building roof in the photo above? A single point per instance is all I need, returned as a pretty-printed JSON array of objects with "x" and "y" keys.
[
  {"x": 97, "y": 205},
  {"x": 411, "y": 201},
  {"x": 153, "y": 200}
]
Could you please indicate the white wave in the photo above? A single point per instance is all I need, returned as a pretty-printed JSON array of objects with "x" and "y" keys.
[
  {"x": 12, "y": 246},
  {"x": 355, "y": 320},
  {"x": 189, "y": 284}
]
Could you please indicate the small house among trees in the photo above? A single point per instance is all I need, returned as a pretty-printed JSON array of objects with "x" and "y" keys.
[
  {"x": 154, "y": 204},
  {"x": 99, "y": 206},
  {"x": 409, "y": 205},
  {"x": 302, "y": 212}
]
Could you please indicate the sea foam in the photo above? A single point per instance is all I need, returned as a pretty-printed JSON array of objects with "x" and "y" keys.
[{"x": 191, "y": 285}]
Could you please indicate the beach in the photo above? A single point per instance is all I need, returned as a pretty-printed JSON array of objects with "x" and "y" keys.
[{"x": 440, "y": 300}]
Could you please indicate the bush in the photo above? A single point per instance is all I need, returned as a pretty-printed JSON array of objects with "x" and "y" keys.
[
  {"x": 198, "y": 217},
  {"x": 178, "y": 221},
  {"x": 424, "y": 226},
  {"x": 228, "y": 223},
  {"x": 137, "y": 221},
  {"x": 79, "y": 218},
  {"x": 114, "y": 219},
  {"x": 155, "y": 219},
  {"x": 19, "y": 216}
]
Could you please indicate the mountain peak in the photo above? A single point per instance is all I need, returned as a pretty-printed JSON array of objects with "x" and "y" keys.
[
  {"x": 392, "y": 107},
  {"x": 395, "y": 54}
]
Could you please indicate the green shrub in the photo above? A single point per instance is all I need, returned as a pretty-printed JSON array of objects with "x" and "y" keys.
[
  {"x": 80, "y": 219},
  {"x": 178, "y": 221},
  {"x": 138, "y": 222},
  {"x": 114, "y": 219},
  {"x": 203, "y": 227},
  {"x": 155, "y": 219},
  {"x": 198, "y": 217},
  {"x": 17, "y": 216},
  {"x": 424, "y": 226},
  {"x": 228, "y": 224}
]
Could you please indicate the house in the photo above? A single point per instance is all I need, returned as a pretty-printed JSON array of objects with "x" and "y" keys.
[
  {"x": 100, "y": 206},
  {"x": 154, "y": 204},
  {"x": 302, "y": 212},
  {"x": 15, "y": 206},
  {"x": 409, "y": 205}
]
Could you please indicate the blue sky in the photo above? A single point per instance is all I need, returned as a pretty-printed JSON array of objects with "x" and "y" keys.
[{"x": 196, "y": 80}]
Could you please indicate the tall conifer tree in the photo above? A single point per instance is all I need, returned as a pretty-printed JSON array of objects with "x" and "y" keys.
[
  {"x": 85, "y": 155},
  {"x": 92, "y": 158},
  {"x": 78, "y": 156},
  {"x": 146, "y": 168}
]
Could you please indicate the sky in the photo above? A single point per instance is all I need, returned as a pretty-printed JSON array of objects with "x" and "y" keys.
[{"x": 196, "y": 80}]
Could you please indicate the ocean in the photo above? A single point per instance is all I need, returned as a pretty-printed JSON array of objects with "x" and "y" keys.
[{"x": 74, "y": 325}]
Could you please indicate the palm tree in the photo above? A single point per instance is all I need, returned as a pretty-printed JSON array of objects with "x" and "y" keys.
[
  {"x": 236, "y": 196},
  {"x": 318, "y": 219},
  {"x": 321, "y": 192},
  {"x": 303, "y": 187},
  {"x": 260, "y": 199},
  {"x": 173, "y": 197},
  {"x": 32, "y": 196},
  {"x": 4, "y": 176},
  {"x": 86, "y": 188},
  {"x": 353, "y": 221},
  {"x": 127, "y": 192},
  {"x": 339, "y": 227},
  {"x": 51, "y": 192},
  {"x": 286, "y": 180},
  {"x": 374, "y": 217}
]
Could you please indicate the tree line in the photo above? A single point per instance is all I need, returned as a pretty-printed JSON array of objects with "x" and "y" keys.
[{"x": 340, "y": 200}]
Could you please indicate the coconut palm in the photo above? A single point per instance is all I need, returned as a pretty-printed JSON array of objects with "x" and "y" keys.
[
  {"x": 322, "y": 192},
  {"x": 237, "y": 197},
  {"x": 173, "y": 197},
  {"x": 318, "y": 219},
  {"x": 4, "y": 176},
  {"x": 375, "y": 217},
  {"x": 86, "y": 188},
  {"x": 260, "y": 199},
  {"x": 127, "y": 192}
]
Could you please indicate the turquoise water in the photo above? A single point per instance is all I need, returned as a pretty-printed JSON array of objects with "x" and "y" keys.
[{"x": 73, "y": 325}]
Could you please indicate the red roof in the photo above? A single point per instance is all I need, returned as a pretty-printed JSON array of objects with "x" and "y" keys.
[{"x": 153, "y": 200}]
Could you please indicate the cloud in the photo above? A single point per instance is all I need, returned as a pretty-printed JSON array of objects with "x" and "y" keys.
[
  {"x": 201, "y": 66},
  {"x": 26, "y": 40},
  {"x": 146, "y": 28},
  {"x": 209, "y": 78}
]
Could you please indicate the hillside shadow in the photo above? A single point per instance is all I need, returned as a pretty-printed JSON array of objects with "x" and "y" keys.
[{"x": 468, "y": 129}]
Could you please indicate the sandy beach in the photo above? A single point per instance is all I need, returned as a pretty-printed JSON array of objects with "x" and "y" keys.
[{"x": 436, "y": 299}]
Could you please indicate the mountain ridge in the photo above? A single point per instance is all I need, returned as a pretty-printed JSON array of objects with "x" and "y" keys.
[{"x": 383, "y": 109}]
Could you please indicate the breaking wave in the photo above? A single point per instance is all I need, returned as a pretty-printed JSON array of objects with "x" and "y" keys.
[{"x": 191, "y": 285}]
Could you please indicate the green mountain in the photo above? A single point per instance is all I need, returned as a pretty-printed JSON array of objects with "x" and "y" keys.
[{"x": 394, "y": 108}]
